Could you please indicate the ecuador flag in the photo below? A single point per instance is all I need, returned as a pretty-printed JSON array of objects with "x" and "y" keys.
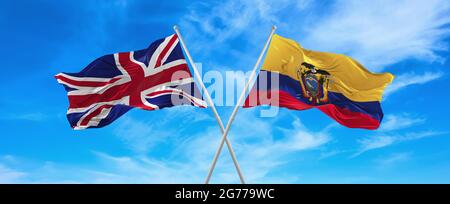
[{"x": 300, "y": 79}]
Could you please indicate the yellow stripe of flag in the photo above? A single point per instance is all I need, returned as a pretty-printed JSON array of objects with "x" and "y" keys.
[{"x": 348, "y": 77}]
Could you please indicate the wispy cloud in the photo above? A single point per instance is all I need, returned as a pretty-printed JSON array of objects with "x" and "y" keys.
[
  {"x": 141, "y": 136},
  {"x": 379, "y": 33},
  {"x": 124, "y": 169},
  {"x": 300, "y": 138},
  {"x": 187, "y": 158},
  {"x": 408, "y": 79},
  {"x": 393, "y": 159},
  {"x": 331, "y": 153},
  {"x": 8, "y": 175},
  {"x": 259, "y": 159},
  {"x": 395, "y": 122},
  {"x": 226, "y": 23},
  {"x": 225, "y": 20},
  {"x": 381, "y": 141},
  {"x": 32, "y": 116}
]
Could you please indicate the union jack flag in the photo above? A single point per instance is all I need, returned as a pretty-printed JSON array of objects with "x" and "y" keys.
[{"x": 149, "y": 79}]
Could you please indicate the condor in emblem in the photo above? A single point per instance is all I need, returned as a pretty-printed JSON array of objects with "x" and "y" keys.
[{"x": 314, "y": 83}]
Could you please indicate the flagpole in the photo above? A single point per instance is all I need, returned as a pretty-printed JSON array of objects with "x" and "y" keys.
[
  {"x": 238, "y": 104},
  {"x": 213, "y": 107}
]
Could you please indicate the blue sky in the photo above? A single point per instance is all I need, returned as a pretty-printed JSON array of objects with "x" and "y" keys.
[{"x": 407, "y": 38}]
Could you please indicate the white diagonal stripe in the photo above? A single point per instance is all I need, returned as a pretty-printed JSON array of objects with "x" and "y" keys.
[{"x": 154, "y": 58}]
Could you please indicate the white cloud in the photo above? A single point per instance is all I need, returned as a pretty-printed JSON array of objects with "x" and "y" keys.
[
  {"x": 381, "y": 32},
  {"x": 135, "y": 169},
  {"x": 330, "y": 153},
  {"x": 396, "y": 122},
  {"x": 8, "y": 175},
  {"x": 140, "y": 136},
  {"x": 303, "y": 4},
  {"x": 188, "y": 158},
  {"x": 381, "y": 141},
  {"x": 32, "y": 116},
  {"x": 300, "y": 138},
  {"x": 408, "y": 79},
  {"x": 377, "y": 33},
  {"x": 393, "y": 159},
  {"x": 261, "y": 153},
  {"x": 231, "y": 30},
  {"x": 228, "y": 19},
  {"x": 374, "y": 143}
]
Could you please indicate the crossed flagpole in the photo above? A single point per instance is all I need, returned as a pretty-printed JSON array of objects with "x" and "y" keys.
[{"x": 225, "y": 130}]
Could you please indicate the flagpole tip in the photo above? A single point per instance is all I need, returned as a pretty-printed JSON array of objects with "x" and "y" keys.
[
  {"x": 274, "y": 27},
  {"x": 175, "y": 27}
]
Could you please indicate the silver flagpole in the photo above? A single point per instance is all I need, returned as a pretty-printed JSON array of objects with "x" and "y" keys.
[
  {"x": 213, "y": 107},
  {"x": 238, "y": 104}
]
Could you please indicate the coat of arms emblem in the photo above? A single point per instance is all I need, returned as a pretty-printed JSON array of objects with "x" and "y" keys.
[{"x": 314, "y": 83}]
